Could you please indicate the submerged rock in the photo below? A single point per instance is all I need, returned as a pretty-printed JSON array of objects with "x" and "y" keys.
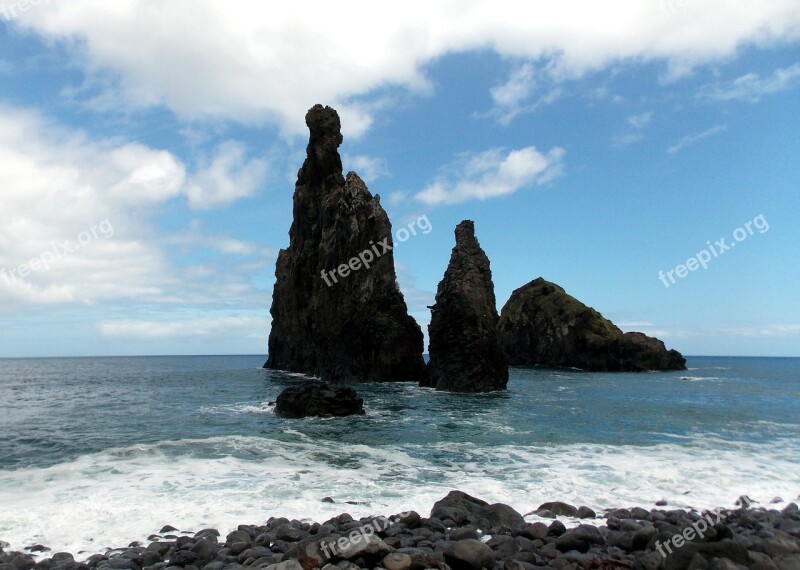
[
  {"x": 465, "y": 351},
  {"x": 318, "y": 399},
  {"x": 542, "y": 325},
  {"x": 337, "y": 312}
]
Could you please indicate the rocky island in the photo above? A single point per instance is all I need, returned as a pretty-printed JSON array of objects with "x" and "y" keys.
[
  {"x": 337, "y": 311},
  {"x": 465, "y": 351},
  {"x": 543, "y": 325}
]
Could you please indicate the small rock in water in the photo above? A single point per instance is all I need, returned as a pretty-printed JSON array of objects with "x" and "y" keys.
[
  {"x": 314, "y": 398},
  {"x": 744, "y": 501},
  {"x": 167, "y": 528},
  {"x": 37, "y": 548},
  {"x": 776, "y": 500},
  {"x": 559, "y": 509},
  {"x": 661, "y": 503},
  {"x": 586, "y": 513},
  {"x": 328, "y": 500}
]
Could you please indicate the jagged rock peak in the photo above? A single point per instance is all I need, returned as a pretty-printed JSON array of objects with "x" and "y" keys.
[
  {"x": 323, "y": 163},
  {"x": 465, "y": 351},
  {"x": 541, "y": 324},
  {"x": 337, "y": 312}
]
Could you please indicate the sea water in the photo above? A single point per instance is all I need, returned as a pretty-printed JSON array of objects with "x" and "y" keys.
[{"x": 99, "y": 452}]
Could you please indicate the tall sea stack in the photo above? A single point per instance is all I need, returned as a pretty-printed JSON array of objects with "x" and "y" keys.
[
  {"x": 337, "y": 311},
  {"x": 465, "y": 350}
]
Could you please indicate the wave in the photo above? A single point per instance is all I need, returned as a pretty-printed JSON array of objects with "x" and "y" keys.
[
  {"x": 111, "y": 498},
  {"x": 701, "y": 378}
]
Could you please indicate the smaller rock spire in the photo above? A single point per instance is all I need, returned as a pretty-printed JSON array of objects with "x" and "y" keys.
[{"x": 465, "y": 351}]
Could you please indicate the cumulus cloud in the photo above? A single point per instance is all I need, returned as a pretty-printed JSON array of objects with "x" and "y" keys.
[
  {"x": 751, "y": 87},
  {"x": 370, "y": 168},
  {"x": 492, "y": 173},
  {"x": 75, "y": 221},
  {"x": 251, "y": 61},
  {"x": 228, "y": 176}
]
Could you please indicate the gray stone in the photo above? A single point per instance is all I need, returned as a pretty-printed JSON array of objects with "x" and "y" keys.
[
  {"x": 286, "y": 565},
  {"x": 396, "y": 561},
  {"x": 469, "y": 554},
  {"x": 559, "y": 509},
  {"x": 238, "y": 536},
  {"x": 367, "y": 545},
  {"x": 288, "y": 533},
  {"x": 536, "y": 530},
  {"x": 581, "y": 538}
]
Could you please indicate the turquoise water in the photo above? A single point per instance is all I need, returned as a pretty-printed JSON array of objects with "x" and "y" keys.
[{"x": 97, "y": 452}]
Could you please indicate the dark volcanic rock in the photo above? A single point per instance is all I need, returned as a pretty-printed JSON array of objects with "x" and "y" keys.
[
  {"x": 337, "y": 311},
  {"x": 462, "y": 508},
  {"x": 318, "y": 399},
  {"x": 491, "y": 537},
  {"x": 542, "y": 325},
  {"x": 469, "y": 554},
  {"x": 465, "y": 351}
]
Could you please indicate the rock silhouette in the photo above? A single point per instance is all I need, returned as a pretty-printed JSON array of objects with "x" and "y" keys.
[
  {"x": 465, "y": 350},
  {"x": 337, "y": 312},
  {"x": 543, "y": 325}
]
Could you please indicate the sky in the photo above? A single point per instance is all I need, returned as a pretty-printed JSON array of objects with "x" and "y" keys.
[{"x": 642, "y": 154}]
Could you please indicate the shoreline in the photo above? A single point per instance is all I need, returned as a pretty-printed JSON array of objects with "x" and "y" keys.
[{"x": 464, "y": 533}]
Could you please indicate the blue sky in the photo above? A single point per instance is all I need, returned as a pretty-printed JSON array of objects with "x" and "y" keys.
[{"x": 148, "y": 153}]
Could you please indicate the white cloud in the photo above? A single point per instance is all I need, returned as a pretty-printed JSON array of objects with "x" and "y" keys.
[
  {"x": 775, "y": 330},
  {"x": 369, "y": 168},
  {"x": 195, "y": 236},
  {"x": 640, "y": 121},
  {"x": 253, "y": 61},
  {"x": 178, "y": 329},
  {"x": 492, "y": 173},
  {"x": 398, "y": 197},
  {"x": 519, "y": 86},
  {"x": 228, "y": 176},
  {"x": 752, "y": 87},
  {"x": 60, "y": 190},
  {"x": 635, "y": 125},
  {"x": 689, "y": 140},
  {"x": 516, "y": 95}
]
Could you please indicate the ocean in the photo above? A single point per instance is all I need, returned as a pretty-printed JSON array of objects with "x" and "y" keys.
[{"x": 100, "y": 452}]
